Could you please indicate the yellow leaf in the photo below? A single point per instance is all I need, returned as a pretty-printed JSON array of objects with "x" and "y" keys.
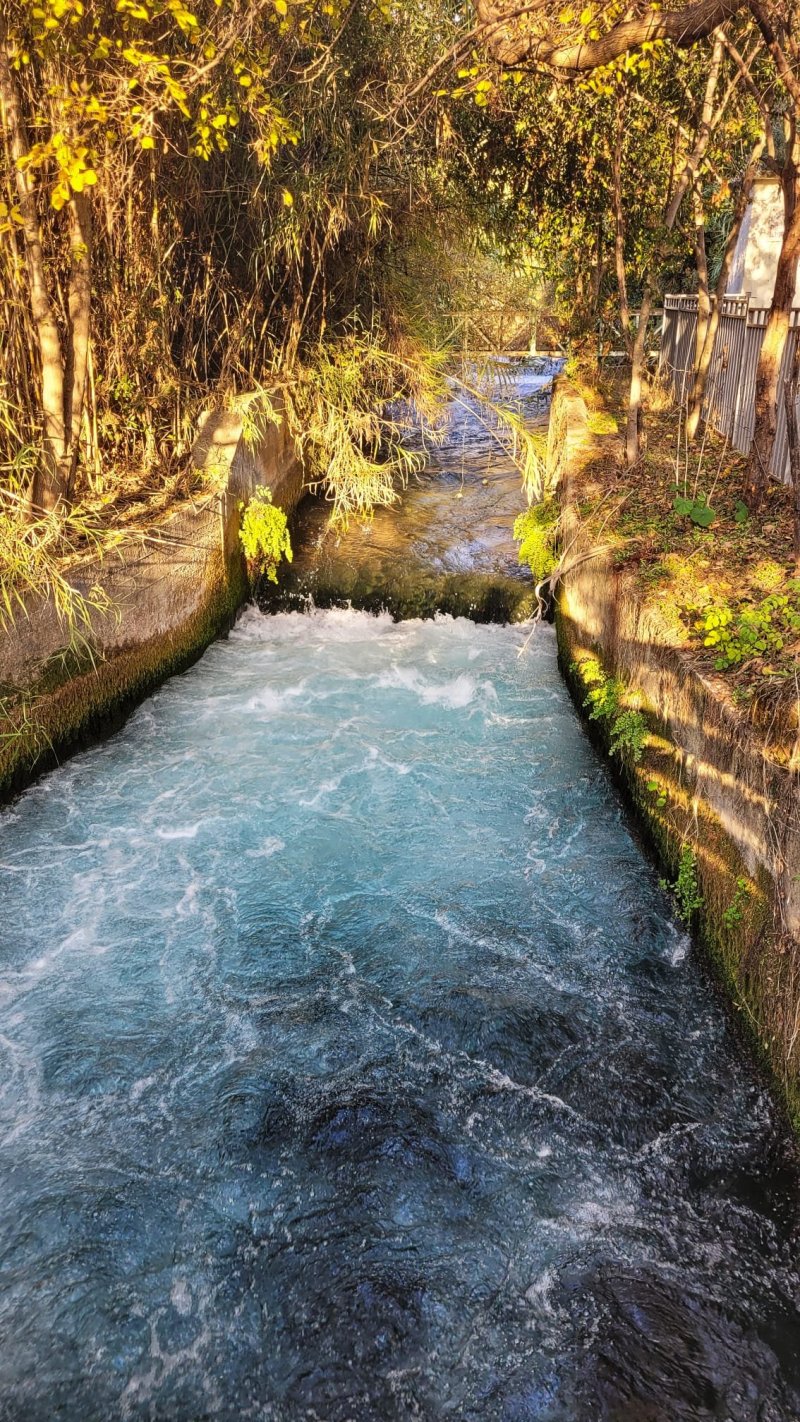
[
  {"x": 148, "y": 141},
  {"x": 288, "y": 200}
]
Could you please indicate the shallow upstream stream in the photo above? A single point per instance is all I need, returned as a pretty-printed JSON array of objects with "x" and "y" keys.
[{"x": 354, "y": 1068}]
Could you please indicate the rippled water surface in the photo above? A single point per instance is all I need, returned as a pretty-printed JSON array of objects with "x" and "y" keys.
[{"x": 353, "y": 1068}]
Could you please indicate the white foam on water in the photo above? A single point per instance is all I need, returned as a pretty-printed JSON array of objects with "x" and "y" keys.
[
  {"x": 274, "y": 701},
  {"x": 181, "y": 831},
  {"x": 268, "y": 847},
  {"x": 454, "y": 695},
  {"x": 284, "y": 1091}
]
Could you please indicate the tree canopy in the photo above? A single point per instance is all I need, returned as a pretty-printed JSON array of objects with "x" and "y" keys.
[{"x": 194, "y": 197}]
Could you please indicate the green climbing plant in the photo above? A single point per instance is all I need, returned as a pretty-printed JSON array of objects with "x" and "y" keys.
[
  {"x": 686, "y": 886},
  {"x": 734, "y": 913},
  {"x": 605, "y": 702},
  {"x": 264, "y": 535}
]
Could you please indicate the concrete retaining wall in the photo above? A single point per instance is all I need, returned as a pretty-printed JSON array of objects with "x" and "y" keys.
[
  {"x": 729, "y": 795},
  {"x": 170, "y": 592}
]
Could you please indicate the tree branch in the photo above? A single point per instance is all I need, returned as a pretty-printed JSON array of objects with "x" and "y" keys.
[{"x": 511, "y": 45}]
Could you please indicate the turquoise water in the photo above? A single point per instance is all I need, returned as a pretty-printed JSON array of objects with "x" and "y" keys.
[{"x": 353, "y": 1066}]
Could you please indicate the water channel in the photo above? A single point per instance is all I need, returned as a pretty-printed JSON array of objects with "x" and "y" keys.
[{"x": 354, "y": 1065}]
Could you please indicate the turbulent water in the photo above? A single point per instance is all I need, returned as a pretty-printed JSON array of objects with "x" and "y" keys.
[{"x": 354, "y": 1068}]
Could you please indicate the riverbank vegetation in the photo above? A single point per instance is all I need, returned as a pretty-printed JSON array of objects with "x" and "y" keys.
[
  {"x": 328, "y": 201},
  {"x": 721, "y": 581}
]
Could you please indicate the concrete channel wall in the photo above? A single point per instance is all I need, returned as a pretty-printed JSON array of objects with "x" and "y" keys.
[
  {"x": 724, "y": 793},
  {"x": 169, "y": 591}
]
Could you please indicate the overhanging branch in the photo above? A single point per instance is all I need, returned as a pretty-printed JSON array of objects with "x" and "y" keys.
[{"x": 510, "y": 44}]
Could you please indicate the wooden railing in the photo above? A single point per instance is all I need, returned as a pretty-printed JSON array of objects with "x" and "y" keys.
[{"x": 729, "y": 405}]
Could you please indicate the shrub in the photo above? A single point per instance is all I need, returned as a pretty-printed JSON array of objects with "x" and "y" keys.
[
  {"x": 264, "y": 535},
  {"x": 686, "y": 887}
]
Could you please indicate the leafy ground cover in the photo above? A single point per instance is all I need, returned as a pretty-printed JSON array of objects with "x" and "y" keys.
[{"x": 724, "y": 581}]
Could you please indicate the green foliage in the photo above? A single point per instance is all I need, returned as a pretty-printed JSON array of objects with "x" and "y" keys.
[
  {"x": 342, "y": 406},
  {"x": 734, "y": 913},
  {"x": 628, "y": 734},
  {"x": 605, "y": 702},
  {"x": 602, "y": 423},
  {"x": 35, "y": 553},
  {"x": 265, "y": 147},
  {"x": 659, "y": 792},
  {"x": 264, "y": 534},
  {"x": 686, "y": 887},
  {"x": 696, "y": 509},
  {"x": 738, "y": 636},
  {"x": 534, "y": 531}
]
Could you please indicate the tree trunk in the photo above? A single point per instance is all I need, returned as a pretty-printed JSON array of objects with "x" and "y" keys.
[
  {"x": 48, "y": 483},
  {"x": 703, "y": 364},
  {"x": 791, "y": 394},
  {"x": 513, "y": 43},
  {"x": 777, "y": 328},
  {"x": 619, "y": 235},
  {"x": 708, "y": 120},
  {"x": 701, "y": 262},
  {"x": 633, "y": 433},
  {"x": 80, "y": 307},
  {"x": 597, "y": 272}
]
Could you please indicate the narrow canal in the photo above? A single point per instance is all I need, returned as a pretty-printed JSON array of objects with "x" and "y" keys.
[{"x": 353, "y": 1066}]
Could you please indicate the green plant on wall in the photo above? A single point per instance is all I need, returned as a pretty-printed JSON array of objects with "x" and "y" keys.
[
  {"x": 605, "y": 702},
  {"x": 534, "y": 531},
  {"x": 686, "y": 887},
  {"x": 264, "y": 535},
  {"x": 752, "y": 631},
  {"x": 734, "y": 913}
]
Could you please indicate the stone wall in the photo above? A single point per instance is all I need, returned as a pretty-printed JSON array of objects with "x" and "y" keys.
[
  {"x": 170, "y": 591},
  {"x": 723, "y": 791}
]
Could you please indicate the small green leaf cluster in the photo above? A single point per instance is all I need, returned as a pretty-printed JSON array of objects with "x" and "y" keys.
[
  {"x": 264, "y": 534},
  {"x": 686, "y": 887},
  {"x": 698, "y": 510},
  {"x": 660, "y": 793},
  {"x": 604, "y": 701},
  {"x": 734, "y": 913},
  {"x": 533, "y": 531},
  {"x": 753, "y": 631}
]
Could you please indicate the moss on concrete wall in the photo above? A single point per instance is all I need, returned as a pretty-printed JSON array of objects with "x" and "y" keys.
[{"x": 705, "y": 785}]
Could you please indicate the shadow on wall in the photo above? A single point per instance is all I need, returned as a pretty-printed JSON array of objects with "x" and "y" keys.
[{"x": 708, "y": 780}]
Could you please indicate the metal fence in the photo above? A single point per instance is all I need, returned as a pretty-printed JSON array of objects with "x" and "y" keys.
[{"x": 729, "y": 405}]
